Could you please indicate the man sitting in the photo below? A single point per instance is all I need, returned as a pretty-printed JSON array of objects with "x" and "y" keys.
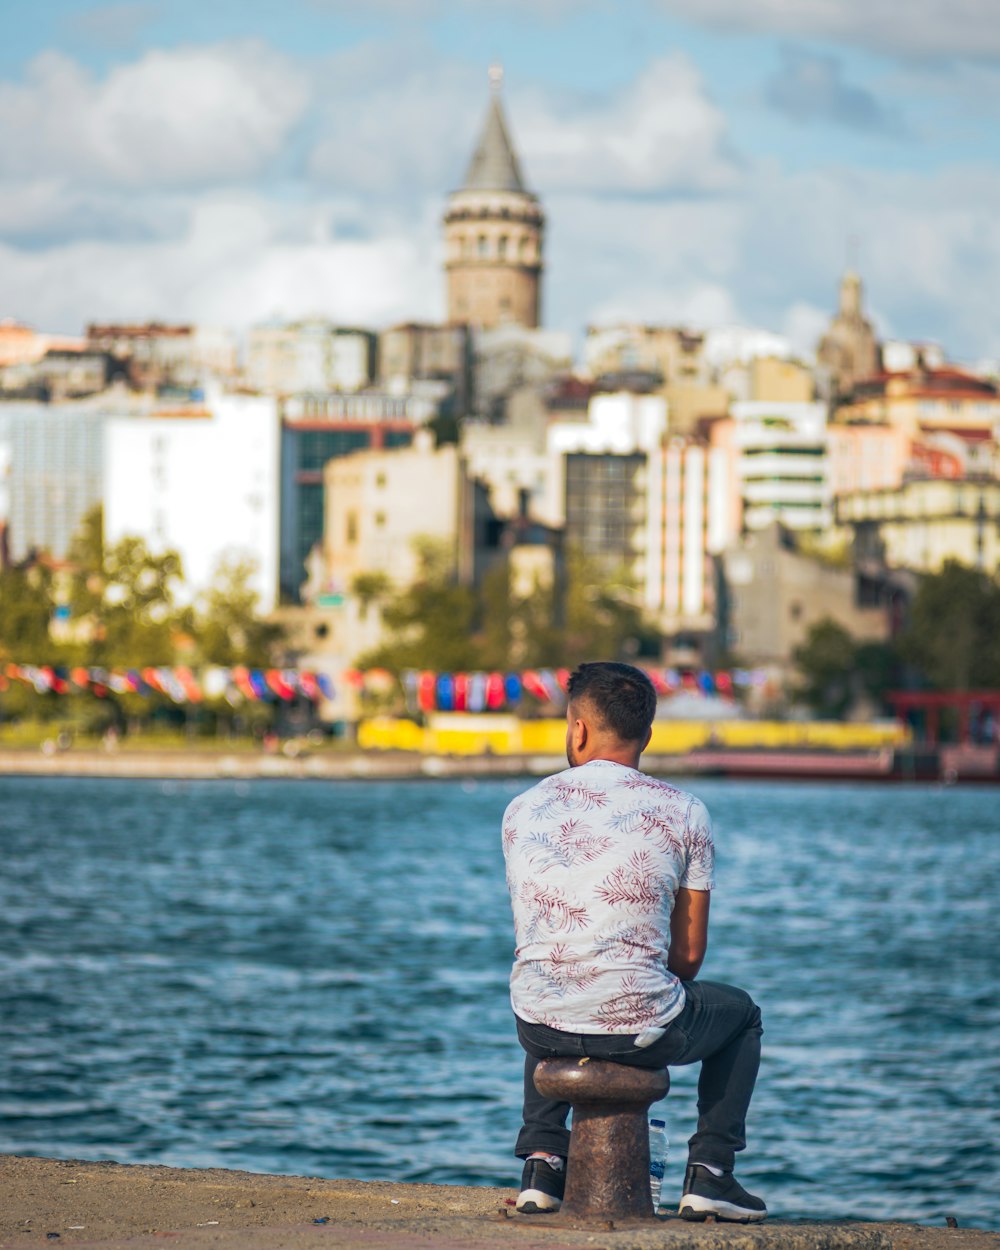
[{"x": 609, "y": 872}]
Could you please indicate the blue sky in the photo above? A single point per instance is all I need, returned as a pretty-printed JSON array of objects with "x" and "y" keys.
[{"x": 700, "y": 161}]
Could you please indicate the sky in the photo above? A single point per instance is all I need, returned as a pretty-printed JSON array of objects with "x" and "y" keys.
[{"x": 700, "y": 162}]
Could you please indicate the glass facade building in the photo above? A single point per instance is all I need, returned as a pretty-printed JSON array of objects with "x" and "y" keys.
[{"x": 306, "y": 446}]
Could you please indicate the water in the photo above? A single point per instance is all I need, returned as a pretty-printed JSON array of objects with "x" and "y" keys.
[{"x": 311, "y": 978}]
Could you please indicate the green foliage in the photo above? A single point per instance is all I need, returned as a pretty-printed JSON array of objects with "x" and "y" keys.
[
  {"x": 953, "y": 633},
  {"x": 26, "y": 606},
  {"x": 226, "y": 625},
  {"x": 371, "y": 588},
  {"x": 581, "y": 614},
  {"x": 878, "y": 669},
  {"x": 137, "y": 619},
  {"x": 951, "y": 642},
  {"x": 124, "y": 613},
  {"x": 27, "y": 602},
  {"x": 603, "y": 617},
  {"x": 826, "y": 661},
  {"x": 430, "y": 626}
]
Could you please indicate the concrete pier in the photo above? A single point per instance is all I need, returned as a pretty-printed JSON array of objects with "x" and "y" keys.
[{"x": 115, "y": 1207}]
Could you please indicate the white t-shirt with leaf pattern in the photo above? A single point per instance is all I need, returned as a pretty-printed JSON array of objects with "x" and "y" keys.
[{"x": 595, "y": 856}]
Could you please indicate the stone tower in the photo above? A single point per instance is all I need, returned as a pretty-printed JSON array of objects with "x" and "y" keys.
[
  {"x": 493, "y": 233},
  {"x": 849, "y": 350}
]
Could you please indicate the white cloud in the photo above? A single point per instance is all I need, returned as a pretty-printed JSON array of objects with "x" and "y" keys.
[
  {"x": 700, "y": 304},
  {"x": 772, "y": 253},
  {"x": 803, "y": 325},
  {"x": 919, "y": 29},
  {"x": 117, "y": 199},
  {"x": 414, "y": 132},
  {"x": 238, "y": 263},
  {"x": 41, "y": 212},
  {"x": 419, "y": 123},
  {"x": 190, "y": 116},
  {"x": 662, "y": 133}
]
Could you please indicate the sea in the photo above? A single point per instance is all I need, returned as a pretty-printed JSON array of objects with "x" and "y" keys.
[{"x": 310, "y": 978}]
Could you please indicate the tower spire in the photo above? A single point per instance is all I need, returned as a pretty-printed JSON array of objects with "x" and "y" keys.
[
  {"x": 494, "y": 165},
  {"x": 494, "y": 229}
]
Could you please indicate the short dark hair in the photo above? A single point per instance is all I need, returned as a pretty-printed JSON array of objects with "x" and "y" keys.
[{"x": 622, "y": 695}]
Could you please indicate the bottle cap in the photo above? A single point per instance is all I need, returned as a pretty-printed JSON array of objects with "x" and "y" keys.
[{"x": 658, "y": 1123}]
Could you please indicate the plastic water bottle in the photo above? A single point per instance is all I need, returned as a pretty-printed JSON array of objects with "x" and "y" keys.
[{"x": 658, "y": 1146}]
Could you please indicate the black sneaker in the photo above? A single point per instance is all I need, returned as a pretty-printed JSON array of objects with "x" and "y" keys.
[
  {"x": 542, "y": 1187},
  {"x": 722, "y": 1196}
]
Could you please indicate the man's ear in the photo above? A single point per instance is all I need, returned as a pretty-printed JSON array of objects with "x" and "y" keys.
[
  {"x": 580, "y": 734},
  {"x": 649, "y": 734}
]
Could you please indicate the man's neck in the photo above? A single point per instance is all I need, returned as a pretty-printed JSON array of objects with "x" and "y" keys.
[{"x": 612, "y": 755}]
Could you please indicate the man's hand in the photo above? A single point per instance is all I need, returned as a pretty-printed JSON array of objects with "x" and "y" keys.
[{"x": 688, "y": 933}]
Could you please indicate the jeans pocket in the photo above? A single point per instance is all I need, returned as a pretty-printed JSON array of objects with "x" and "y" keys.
[{"x": 671, "y": 1047}]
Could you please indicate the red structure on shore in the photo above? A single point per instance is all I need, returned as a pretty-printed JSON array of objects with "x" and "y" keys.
[{"x": 979, "y": 709}]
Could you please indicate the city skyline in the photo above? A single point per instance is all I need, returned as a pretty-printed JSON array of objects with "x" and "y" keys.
[{"x": 703, "y": 166}]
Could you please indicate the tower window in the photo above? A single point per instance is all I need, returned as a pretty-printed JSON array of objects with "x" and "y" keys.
[
  {"x": 483, "y": 245},
  {"x": 525, "y": 248},
  {"x": 502, "y": 247}
]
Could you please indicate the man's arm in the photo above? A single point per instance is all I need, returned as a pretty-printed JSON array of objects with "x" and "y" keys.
[{"x": 688, "y": 932}]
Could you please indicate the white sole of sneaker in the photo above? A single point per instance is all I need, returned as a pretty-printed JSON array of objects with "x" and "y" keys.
[
  {"x": 535, "y": 1202},
  {"x": 695, "y": 1207}
]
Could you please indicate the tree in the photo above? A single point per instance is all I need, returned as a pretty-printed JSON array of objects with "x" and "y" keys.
[
  {"x": 577, "y": 615},
  {"x": 226, "y": 624},
  {"x": 429, "y": 624},
  {"x": 953, "y": 633},
  {"x": 371, "y": 588},
  {"x": 86, "y": 560},
  {"x": 26, "y": 606},
  {"x": 602, "y": 615},
  {"x": 879, "y": 669},
  {"x": 123, "y": 599},
  {"x": 826, "y": 661},
  {"x": 518, "y": 628},
  {"x": 138, "y": 618}
]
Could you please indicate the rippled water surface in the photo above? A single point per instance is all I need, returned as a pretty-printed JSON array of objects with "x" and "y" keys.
[{"x": 311, "y": 978}]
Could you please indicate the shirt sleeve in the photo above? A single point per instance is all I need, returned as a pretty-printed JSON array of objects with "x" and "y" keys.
[{"x": 699, "y": 872}]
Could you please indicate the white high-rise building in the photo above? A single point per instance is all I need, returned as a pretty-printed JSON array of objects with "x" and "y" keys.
[
  {"x": 690, "y": 518},
  {"x": 51, "y": 472},
  {"x": 203, "y": 481},
  {"x": 781, "y": 458}
]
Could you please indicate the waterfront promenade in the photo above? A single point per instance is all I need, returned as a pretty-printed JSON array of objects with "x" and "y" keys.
[
  {"x": 114, "y": 1207},
  {"x": 204, "y": 765}
]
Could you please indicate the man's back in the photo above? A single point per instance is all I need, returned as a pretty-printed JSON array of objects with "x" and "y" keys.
[{"x": 595, "y": 856}]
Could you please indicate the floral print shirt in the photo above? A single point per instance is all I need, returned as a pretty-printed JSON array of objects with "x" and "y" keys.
[{"x": 595, "y": 856}]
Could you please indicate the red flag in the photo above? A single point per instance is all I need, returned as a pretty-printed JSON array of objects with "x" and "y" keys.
[
  {"x": 461, "y": 692},
  {"x": 426, "y": 688}
]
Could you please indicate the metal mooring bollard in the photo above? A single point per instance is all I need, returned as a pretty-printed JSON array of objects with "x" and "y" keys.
[{"x": 607, "y": 1174}]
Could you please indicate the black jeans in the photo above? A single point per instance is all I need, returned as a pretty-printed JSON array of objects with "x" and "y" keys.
[{"x": 720, "y": 1026}]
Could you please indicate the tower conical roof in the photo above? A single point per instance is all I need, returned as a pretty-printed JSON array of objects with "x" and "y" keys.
[{"x": 494, "y": 165}]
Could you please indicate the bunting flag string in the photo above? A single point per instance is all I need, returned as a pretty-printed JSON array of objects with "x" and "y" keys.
[
  {"x": 422, "y": 690},
  {"x": 179, "y": 684}
]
